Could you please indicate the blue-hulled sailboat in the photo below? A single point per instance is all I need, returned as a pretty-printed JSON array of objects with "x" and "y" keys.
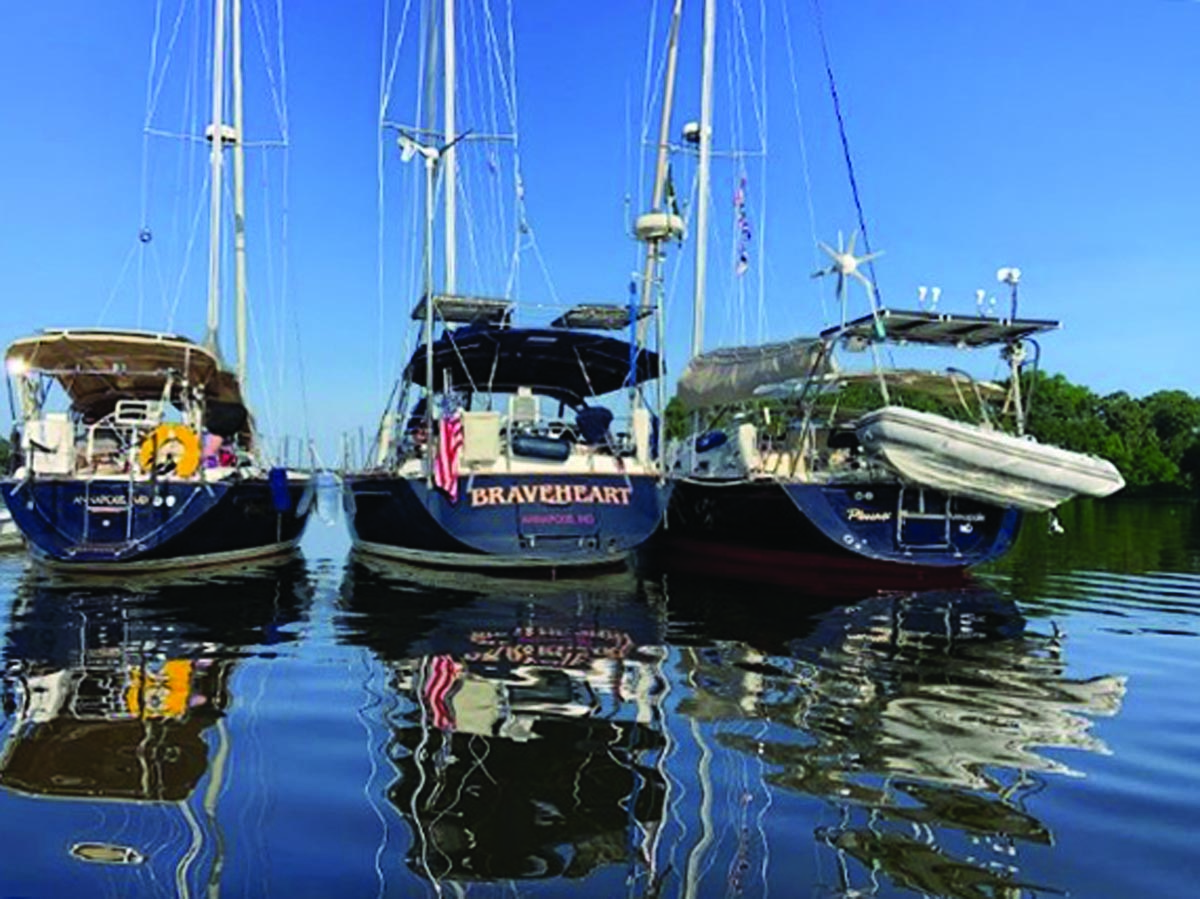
[{"x": 136, "y": 450}]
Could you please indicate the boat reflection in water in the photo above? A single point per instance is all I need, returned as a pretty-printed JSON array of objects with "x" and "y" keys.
[
  {"x": 918, "y": 721},
  {"x": 527, "y": 720},
  {"x": 117, "y": 693}
]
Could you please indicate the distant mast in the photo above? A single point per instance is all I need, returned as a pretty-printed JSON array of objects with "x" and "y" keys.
[
  {"x": 239, "y": 198},
  {"x": 703, "y": 176},
  {"x": 216, "y": 138},
  {"x": 449, "y": 166}
]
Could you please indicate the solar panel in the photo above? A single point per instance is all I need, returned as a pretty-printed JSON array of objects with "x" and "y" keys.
[
  {"x": 598, "y": 317},
  {"x": 938, "y": 328},
  {"x": 464, "y": 309}
]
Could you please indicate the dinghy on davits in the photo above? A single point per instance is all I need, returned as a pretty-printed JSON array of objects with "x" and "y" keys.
[{"x": 982, "y": 463}]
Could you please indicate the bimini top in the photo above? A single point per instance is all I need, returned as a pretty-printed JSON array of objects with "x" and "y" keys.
[
  {"x": 733, "y": 375},
  {"x": 938, "y": 328},
  {"x": 565, "y": 365},
  {"x": 97, "y": 367}
]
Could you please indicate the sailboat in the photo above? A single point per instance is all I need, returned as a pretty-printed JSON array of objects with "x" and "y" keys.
[
  {"x": 154, "y": 462},
  {"x": 503, "y": 449},
  {"x": 801, "y": 460}
]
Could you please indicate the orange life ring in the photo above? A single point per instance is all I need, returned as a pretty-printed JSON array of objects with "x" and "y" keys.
[{"x": 171, "y": 443}]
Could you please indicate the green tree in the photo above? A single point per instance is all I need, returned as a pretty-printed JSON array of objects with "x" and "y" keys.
[{"x": 1175, "y": 416}]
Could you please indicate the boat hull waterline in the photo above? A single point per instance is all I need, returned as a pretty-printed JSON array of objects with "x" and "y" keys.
[
  {"x": 882, "y": 526},
  {"x": 116, "y": 525},
  {"x": 986, "y": 465},
  {"x": 502, "y": 521}
]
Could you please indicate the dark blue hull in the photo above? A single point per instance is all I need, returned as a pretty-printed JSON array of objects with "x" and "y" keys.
[
  {"x": 864, "y": 529},
  {"x": 117, "y": 525},
  {"x": 532, "y": 521}
]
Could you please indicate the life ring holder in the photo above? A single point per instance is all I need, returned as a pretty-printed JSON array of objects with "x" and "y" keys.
[{"x": 187, "y": 460}]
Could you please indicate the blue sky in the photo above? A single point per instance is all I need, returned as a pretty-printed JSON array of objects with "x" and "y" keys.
[{"x": 1060, "y": 136}]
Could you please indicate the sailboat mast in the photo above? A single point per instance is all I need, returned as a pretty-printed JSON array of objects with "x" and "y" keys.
[
  {"x": 239, "y": 198},
  {"x": 449, "y": 166},
  {"x": 703, "y": 175},
  {"x": 216, "y": 138},
  {"x": 650, "y": 274}
]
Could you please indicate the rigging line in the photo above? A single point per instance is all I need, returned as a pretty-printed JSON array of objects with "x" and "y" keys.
[
  {"x": 508, "y": 219},
  {"x": 487, "y": 89},
  {"x": 380, "y": 199},
  {"x": 120, "y": 277},
  {"x": 268, "y": 254},
  {"x": 155, "y": 85},
  {"x": 162, "y": 284},
  {"x": 276, "y": 98},
  {"x": 808, "y": 191},
  {"x": 646, "y": 92},
  {"x": 385, "y": 94},
  {"x": 185, "y": 161},
  {"x": 761, "y": 225},
  {"x": 757, "y": 105},
  {"x": 187, "y": 256},
  {"x": 285, "y": 216},
  {"x": 837, "y": 109},
  {"x": 506, "y": 73},
  {"x": 286, "y": 124},
  {"x": 144, "y": 187},
  {"x": 736, "y": 284},
  {"x": 508, "y": 77}
]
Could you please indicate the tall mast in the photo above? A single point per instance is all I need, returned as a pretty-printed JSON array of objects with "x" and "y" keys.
[
  {"x": 650, "y": 274},
  {"x": 703, "y": 176},
  {"x": 216, "y": 137},
  {"x": 449, "y": 166},
  {"x": 239, "y": 198}
]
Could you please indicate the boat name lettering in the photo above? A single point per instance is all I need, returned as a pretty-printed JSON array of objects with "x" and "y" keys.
[
  {"x": 550, "y": 495},
  {"x": 856, "y": 514},
  {"x": 549, "y": 646},
  {"x": 558, "y": 518},
  {"x": 110, "y": 500},
  {"x": 968, "y": 516}
]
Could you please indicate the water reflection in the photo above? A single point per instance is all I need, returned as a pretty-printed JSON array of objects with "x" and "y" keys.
[
  {"x": 117, "y": 692},
  {"x": 1127, "y": 537},
  {"x": 920, "y": 721},
  {"x": 527, "y": 721}
]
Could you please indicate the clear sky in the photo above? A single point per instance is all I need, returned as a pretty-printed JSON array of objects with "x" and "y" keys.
[{"x": 1060, "y": 136}]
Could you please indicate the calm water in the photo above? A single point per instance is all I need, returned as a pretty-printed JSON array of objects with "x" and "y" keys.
[{"x": 331, "y": 727}]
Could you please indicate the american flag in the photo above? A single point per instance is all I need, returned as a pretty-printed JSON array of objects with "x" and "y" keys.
[
  {"x": 441, "y": 680},
  {"x": 449, "y": 448}
]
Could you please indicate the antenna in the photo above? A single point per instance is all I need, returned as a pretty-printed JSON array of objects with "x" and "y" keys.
[{"x": 1011, "y": 276}]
